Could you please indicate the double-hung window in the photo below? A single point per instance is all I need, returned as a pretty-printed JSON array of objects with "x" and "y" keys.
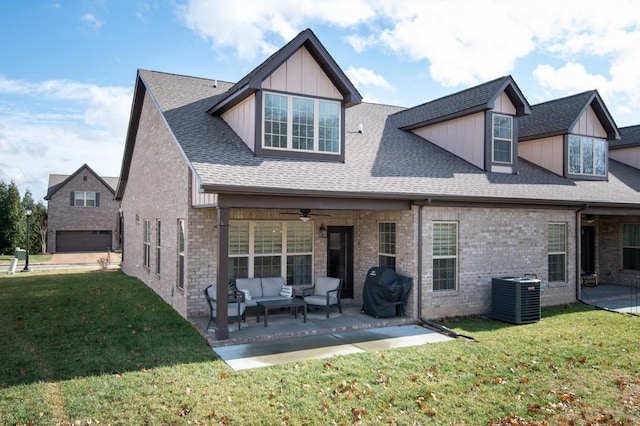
[
  {"x": 445, "y": 256},
  {"x": 158, "y": 242},
  {"x": 84, "y": 199},
  {"x": 631, "y": 246},
  {"x": 387, "y": 244},
  {"x": 181, "y": 253},
  {"x": 146, "y": 243},
  {"x": 502, "y": 138},
  {"x": 271, "y": 249},
  {"x": 587, "y": 156},
  {"x": 557, "y": 251},
  {"x": 298, "y": 123}
]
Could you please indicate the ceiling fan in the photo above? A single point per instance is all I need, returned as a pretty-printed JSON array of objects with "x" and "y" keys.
[{"x": 305, "y": 214}]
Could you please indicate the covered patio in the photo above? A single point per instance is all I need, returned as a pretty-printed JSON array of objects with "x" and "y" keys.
[
  {"x": 283, "y": 325},
  {"x": 613, "y": 297}
]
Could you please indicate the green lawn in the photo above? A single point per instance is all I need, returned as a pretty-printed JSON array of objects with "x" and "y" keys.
[
  {"x": 101, "y": 348},
  {"x": 33, "y": 258}
]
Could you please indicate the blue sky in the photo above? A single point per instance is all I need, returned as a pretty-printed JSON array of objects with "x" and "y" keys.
[{"x": 67, "y": 68}]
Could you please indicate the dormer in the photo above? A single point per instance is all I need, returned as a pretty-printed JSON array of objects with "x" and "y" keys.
[
  {"x": 293, "y": 104},
  {"x": 479, "y": 124},
  {"x": 627, "y": 149},
  {"x": 570, "y": 136}
]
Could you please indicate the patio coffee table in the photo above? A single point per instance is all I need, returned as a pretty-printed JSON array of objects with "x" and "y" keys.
[{"x": 292, "y": 303}]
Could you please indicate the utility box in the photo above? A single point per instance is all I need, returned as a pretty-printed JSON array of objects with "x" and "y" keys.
[
  {"x": 515, "y": 299},
  {"x": 20, "y": 254}
]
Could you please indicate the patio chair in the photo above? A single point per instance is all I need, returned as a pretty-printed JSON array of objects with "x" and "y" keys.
[
  {"x": 235, "y": 309},
  {"x": 326, "y": 292}
]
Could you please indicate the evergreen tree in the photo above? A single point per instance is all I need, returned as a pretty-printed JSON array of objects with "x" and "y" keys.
[
  {"x": 12, "y": 219},
  {"x": 35, "y": 245},
  {"x": 39, "y": 225}
]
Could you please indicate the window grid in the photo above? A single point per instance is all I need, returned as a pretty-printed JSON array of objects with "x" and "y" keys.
[
  {"x": 301, "y": 124},
  {"x": 181, "y": 253},
  {"x": 502, "y": 138},
  {"x": 557, "y": 251},
  {"x": 146, "y": 243},
  {"x": 445, "y": 256},
  {"x": 158, "y": 245},
  {"x": 387, "y": 244},
  {"x": 631, "y": 246},
  {"x": 84, "y": 199},
  {"x": 273, "y": 249}
]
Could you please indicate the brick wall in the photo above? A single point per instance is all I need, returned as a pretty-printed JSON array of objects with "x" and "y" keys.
[
  {"x": 495, "y": 243},
  {"x": 609, "y": 250}
]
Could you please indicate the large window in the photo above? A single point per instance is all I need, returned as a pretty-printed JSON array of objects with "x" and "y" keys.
[
  {"x": 587, "y": 156},
  {"x": 445, "y": 255},
  {"x": 181, "y": 253},
  {"x": 387, "y": 244},
  {"x": 557, "y": 248},
  {"x": 631, "y": 246},
  {"x": 146, "y": 243},
  {"x": 84, "y": 199},
  {"x": 502, "y": 138},
  {"x": 271, "y": 249},
  {"x": 301, "y": 124},
  {"x": 158, "y": 242}
]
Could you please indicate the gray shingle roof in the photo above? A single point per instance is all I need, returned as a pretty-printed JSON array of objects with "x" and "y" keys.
[
  {"x": 57, "y": 181},
  {"x": 471, "y": 100},
  {"x": 383, "y": 162},
  {"x": 629, "y": 136},
  {"x": 558, "y": 116}
]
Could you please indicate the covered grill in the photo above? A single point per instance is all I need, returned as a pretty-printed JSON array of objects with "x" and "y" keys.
[{"x": 385, "y": 293}]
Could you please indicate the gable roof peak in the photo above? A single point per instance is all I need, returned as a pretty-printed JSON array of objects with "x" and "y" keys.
[
  {"x": 57, "y": 181},
  {"x": 252, "y": 82},
  {"x": 468, "y": 101}
]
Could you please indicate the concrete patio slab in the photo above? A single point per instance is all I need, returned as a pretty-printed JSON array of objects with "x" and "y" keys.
[{"x": 265, "y": 354}]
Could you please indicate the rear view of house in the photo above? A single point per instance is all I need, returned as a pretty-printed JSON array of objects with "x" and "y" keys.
[
  {"x": 83, "y": 215},
  {"x": 287, "y": 173}
]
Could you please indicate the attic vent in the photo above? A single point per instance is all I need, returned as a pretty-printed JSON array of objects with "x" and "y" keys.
[
  {"x": 84, "y": 178},
  {"x": 360, "y": 128},
  {"x": 215, "y": 83}
]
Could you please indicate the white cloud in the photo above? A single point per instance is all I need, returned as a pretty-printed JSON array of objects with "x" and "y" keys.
[
  {"x": 366, "y": 77},
  {"x": 90, "y": 20},
  {"x": 56, "y": 126}
]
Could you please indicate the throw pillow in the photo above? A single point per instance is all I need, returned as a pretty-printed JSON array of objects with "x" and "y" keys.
[
  {"x": 247, "y": 294},
  {"x": 287, "y": 291}
]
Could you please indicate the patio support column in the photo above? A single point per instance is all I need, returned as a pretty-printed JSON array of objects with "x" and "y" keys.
[{"x": 222, "y": 275}]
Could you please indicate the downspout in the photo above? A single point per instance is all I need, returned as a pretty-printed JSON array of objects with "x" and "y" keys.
[
  {"x": 431, "y": 324},
  {"x": 579, "y": 249}
]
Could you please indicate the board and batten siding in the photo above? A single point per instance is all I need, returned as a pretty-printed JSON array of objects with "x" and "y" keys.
[
  {"x": 503, "y": 105},
  {"x": 463, "y": 137},
  {"x": 545, "y": 152},
  {"x": 302, "y": 75},
  {"x": 242, "y": 119},
  {"x": 629, "y": 156},
  {"x": 589, "y": 125},
  {"x": 199, "y": 198}
]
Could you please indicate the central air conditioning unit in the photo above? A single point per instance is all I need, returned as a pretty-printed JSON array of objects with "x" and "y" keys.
[{"x": 515, "y": 299}]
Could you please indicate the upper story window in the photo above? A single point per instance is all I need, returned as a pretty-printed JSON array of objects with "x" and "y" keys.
[
  {"x": 84, "y": 199},
  {"x": 502, "y": 138},
  {"x": 301, "y": 124},
  {"x": 587, "y": 156}
]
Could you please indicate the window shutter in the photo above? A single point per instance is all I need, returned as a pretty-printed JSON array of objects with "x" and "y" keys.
[
  {"x": 97, "y": 199},
  {"x": 72, "y": 198}
]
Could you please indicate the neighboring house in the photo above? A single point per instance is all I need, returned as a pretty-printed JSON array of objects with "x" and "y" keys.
[
  {"x": 82, "y": 212},
  {"x": 215, "y": 177}
]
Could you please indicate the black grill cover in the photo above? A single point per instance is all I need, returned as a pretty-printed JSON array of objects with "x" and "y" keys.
[{"x": 385, "y": 293}]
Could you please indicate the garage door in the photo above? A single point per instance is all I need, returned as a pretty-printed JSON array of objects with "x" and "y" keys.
[{"x": 67, "y": 241}]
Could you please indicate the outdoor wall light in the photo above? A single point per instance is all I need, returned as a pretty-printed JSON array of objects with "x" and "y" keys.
[{"x": 323, "y": 231}]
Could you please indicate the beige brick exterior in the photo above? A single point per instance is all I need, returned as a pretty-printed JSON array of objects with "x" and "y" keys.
[{"x": 62, "y": 216}]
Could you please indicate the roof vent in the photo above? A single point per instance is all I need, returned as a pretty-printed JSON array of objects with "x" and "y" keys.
[
  {"x": 215, "y": 83},
  {"x": 360, "y": 128}
]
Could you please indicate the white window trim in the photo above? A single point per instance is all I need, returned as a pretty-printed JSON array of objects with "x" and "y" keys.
[
  {"x": 456, "y": 256},
  {"x": 283, "y": 254},
  {"x": 181, "y": 273},
  {"x": 395, "y": 242},
  {"x": 494, "y": 138},
  {"x": 84, "y": 198},
  {"x": 551, "y": 253},
  {"x": 581, "y": 139},
  {"x": 146, "y": 243},
  {"x": 316, "y": 124},
  {"x": 158, "y": 246}
]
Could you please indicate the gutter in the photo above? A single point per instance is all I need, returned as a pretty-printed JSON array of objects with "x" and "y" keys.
[{"x": 428, "y": 323}]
